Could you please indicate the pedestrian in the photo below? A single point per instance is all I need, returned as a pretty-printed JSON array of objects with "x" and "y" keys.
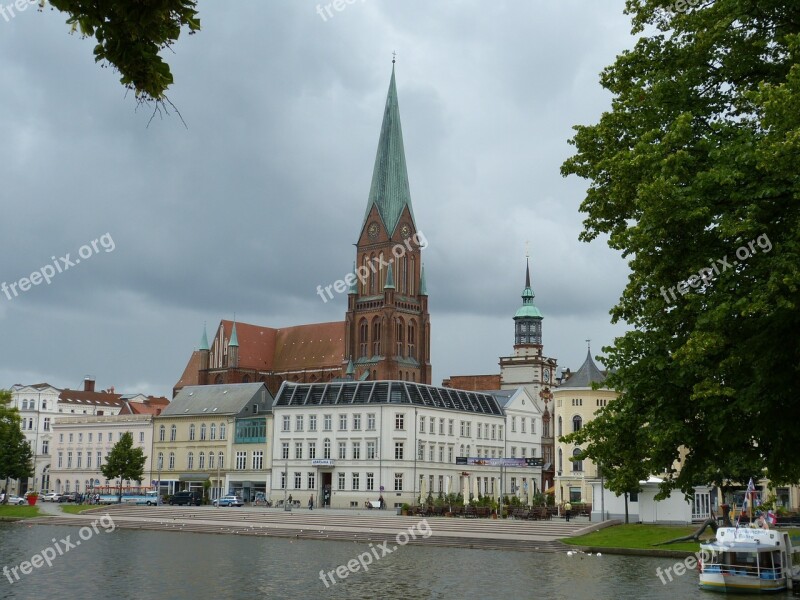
[
  {"x": 382, "y": 502},
  {"x": 290, "y": 499},
  {"x": 567, "y": 509},
  {"x": 311, "y": 502}
]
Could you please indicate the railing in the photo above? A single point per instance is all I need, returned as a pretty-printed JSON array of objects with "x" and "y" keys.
[{"x": 744, "y": 571}]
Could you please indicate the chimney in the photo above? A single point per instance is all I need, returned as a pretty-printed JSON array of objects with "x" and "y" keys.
[{"x": 88, "y": 384}]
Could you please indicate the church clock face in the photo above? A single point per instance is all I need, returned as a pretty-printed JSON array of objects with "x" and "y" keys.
[
  {"x": 547, "y": 375},
  {"x": 405, "y": 231},
  {"x": 373, "y": 229}
]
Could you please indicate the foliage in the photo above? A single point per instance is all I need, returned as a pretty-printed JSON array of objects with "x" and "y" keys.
[
  {"x": 130, "y": 35},
  {"x": 124, "y": 462},
  {"x": 695, "y": 168},
  {"x": 16, "y": 456},
  {"x": 14, "y": 512}
]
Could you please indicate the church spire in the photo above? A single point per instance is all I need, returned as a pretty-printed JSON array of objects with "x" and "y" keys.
[
  {"x": 204, "y": 339},
  {"x": 528, "y": 319},
  {"x": 389, "y": 191}
]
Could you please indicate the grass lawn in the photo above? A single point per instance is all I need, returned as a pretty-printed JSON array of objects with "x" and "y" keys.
[
  {"x": 74, "y": 509},
  {"x": 638, "y": 536},
  {"x": 18, "y": 512}
]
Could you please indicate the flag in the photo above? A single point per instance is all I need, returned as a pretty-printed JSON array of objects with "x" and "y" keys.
[{"x": 772, "y": 517}]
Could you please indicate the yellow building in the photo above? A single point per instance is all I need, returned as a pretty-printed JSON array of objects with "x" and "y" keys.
[
  {"x": 576, "y": 403},
  {"x": 214, "y": 433}
]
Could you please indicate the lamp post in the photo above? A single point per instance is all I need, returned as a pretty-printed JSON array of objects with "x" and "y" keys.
[{"x": 158, "y": 489}]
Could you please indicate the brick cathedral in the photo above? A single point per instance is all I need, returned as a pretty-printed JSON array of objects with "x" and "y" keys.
[{"x": 386, "y": 331}]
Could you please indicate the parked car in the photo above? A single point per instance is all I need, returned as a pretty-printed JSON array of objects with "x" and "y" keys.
[
  {"x": 187, "y": 498},
  {"x": 12, "y": 499},
  {"x": 68, "y": 497},
  {"x": 229, "y": 501},
  {"x": 52, "y": 497}
]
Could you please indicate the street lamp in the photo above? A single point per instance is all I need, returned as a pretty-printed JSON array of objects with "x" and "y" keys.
[{"x": 158, "y": 489}]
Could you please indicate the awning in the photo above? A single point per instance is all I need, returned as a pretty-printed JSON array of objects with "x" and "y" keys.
[
  {"x": 550, "y": 490},
  {"x": 193, "y": 476}
]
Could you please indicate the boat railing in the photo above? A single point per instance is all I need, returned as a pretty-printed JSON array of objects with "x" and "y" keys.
[{"x": 744, "y": 570}]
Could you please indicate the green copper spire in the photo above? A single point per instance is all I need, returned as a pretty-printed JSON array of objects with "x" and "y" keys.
[
  {"x": 423, "y": 286},
  {"x": 204, "y": 340},
  {"x": 351, "y": 369},
  {"x": 528, "y": 308},
  {"x": 234, "y": 341},
  {"x": 389, "y": 191},
  {"x": 389, "y": 278}
]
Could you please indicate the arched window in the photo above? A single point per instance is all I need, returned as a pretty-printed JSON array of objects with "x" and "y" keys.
[
  {"x": 381, "y": 273},
  {"x": 576, "y": 423},
  {"x": 222, "y": 431},
  {"x": 160, "y": 460},
  {"x": 399, "y": 335},
  {"x": 191, "y": 432},
  {"x": 404, "y": 268},
  {"x": 560, "y": 426},
  {"x": 162, "y": 433},
  {"x": 560, "y": 461},
  {"x": 326, "y": 448},
  {"x": 190, "y": 461},
  {"x": 201, "y": 461},
  {"x": 376, "y": 337},
  {"x": 210, "y": 460},
  {"x": 365, "y": 276},
  {"x": 363, "y": 338},
  {"x": 221, "y": 459},
  {"x": 412, "y": 340},
  {"x": 173, "y": 433},
  {"x": 213, "y": 431},
  {"x": 171, "y": 461},
  {"x": 577, "y": 465},
  {"x": 412, "y": 277},
  {"x": 66, "y": 485},
  {"x": 372, "y": 276},
  {"x": 461, "y": 450},
  {"x": 202, "y": 431}
]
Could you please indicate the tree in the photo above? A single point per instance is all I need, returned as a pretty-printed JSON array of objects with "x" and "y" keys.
[
  {"x": 693, "y": 177},
  {"x": 16, "y": 457},
  {"x": 616, "y": 449},
  {"x": 130, "y": 36},
  {"x": 124, "y": 462}
]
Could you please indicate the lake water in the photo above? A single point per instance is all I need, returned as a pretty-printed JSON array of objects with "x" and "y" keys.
[{"x": 147, "y": 564}]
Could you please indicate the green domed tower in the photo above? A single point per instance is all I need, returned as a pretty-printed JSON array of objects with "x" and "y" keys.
[{"x": 528, "y": 319}]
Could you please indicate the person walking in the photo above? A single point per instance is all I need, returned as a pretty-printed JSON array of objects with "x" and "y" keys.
[
  {"x": 567, "y": 509},
  {"x": 311, "y": 502}
]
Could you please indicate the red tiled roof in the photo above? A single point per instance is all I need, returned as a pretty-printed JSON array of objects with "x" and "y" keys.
[
  {"x": 191, "y": 372},
  {"x": 152, "y": 406},
  {"x": 96, "y": 398}
]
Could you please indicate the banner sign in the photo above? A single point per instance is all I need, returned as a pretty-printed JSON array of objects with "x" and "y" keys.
[{"x": 498, "y": 462}]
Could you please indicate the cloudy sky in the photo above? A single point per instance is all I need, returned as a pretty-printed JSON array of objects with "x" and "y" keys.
[{"x": 261, "y": 198}]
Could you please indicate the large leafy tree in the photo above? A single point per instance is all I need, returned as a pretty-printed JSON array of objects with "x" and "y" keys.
[
  {"x": 124, "y": 462},
  {"x": 16, "y": 457},
  {"x": 694, "y": 171},
  {"x": 130, "y": 36}
]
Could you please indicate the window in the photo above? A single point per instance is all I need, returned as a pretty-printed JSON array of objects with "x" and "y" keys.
[
  {"x": 79, "y": 459},
  {"x": 370, "y": 450},
  {"x": 312, "y": 422},
  {"x": 141, "y": 437},
  {"x": 46, "y": 425},
  {"x": 575, "y": 494},
  {"x": 576, "y": 423},
  {"x": 312, "y": 480},
  {"x": 191, "y": 432},
  {"x": 283, "y": 480},
  {"x": 70, "y": 437},
  {"x": 494, "y": 432},
  {"x": 560, "y": 460},
  {"x": 371, "y": 421},
  {"x": 577, "y": 465},
  {"x": 342, "y": 422},
  {"x": 90, "y": 438},
  {"x": 560, "y": 427},
  {"x": 298, "y": 450},
  {"x": 357, "y": 422},
  {"x": 221, "y": 460},
  {"x": 312, "y": 450},
  {"x": 202, "y": 431},
  {"x": 533, "y": 425},
  {"x": 450, "y": 426},
  {"x": 46, "y": 447},
  {"x": 60, "y": 459},
  {"x": 258, "y": 460},
  {"x": 469, "y": 429},
  {"x": 298, "y": 423},
  {"x": 285, "y": 450},
  {"x": 398, "y": 482},
  {"x": 201, "y": 461},
  {"x": 399, "y": 421},
  {"x": 420, "y": 451},
  {"x": 173, "y": 434},
  {"x": 462, "y": 428},
  {"x": 431, "y": 451},
  {"x": 99, "y": 459},
  {"x": 241, "y": 460},
  {"x": 287, "y": 421},
  {"x": 398, "y": 450},
  {"x": 449, "y": 454},
  {"x": 356, "y": 450},
  {"x": 222, "y": 431},
  {"x": 60, "y": 437},
  {"x": 342, "y": 450},
  {"x": 326, "y": 448},
  {"x": 69, "y": 460},
  {"x": 480, "y": 431},
  {"x": 370, "y": 481},
  {"x": 341, "y": 481},
  {"x": 513, "y": 424},
  {"x": 441, "y": 426},
  {"x": 432, "y": 425},
  {"x": 522, "y": 423},
  {"x": 190, "y": 460},
  {"x": 211, "y": 460},
  {"x": 513, "y": 452},
  {"x": 441, "y": 453},
  {"x": 162, "y": 434},
  {"x": 327, "y": 423},
  {"x": 523, "y": 450},
  {"x": 356, "y": 483},
  {"x": 171, "y": 461},
  {"x": 422, "y": 424}
]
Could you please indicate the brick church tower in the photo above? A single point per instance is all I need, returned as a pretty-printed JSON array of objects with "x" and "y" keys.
[{"x": 387, "y": 326}]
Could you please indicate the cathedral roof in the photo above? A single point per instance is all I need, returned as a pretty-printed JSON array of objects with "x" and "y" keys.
[
  {"x": 585, "y": 376},
  {"x": 389, "y": 191}
]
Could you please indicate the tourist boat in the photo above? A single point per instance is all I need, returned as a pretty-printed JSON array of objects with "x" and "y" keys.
[{"x": 745, "y": 560}]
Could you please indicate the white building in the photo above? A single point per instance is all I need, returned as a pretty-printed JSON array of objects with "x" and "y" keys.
[
  {"x": 346, "y": 443},
  {"x": 644, "y": 508},
  {"x": 38, "y": 406}
]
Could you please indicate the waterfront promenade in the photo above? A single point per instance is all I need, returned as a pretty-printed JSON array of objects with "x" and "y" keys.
[{"x": 332, "y": 524}]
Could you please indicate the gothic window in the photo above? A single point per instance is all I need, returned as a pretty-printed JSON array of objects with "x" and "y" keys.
[
  {"x": 576, "y": 423},
  {"x": 404, "y": 267},
  {"x": 412, "y": 340},
  {"x": 376, "y": 337},
  {"x": 577, "y": 465},
  {"x": 372, "y": 276},
  {"x": 411, "y": 276},
  {"x": 399, "y": 330},
  {"x": 363, "y": 338}
]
